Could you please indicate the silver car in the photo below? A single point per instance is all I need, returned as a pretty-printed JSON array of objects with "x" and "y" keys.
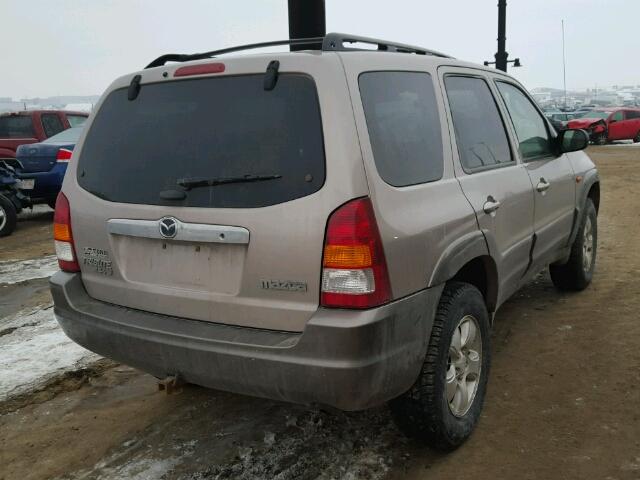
[{"x": 334, "y": 226}]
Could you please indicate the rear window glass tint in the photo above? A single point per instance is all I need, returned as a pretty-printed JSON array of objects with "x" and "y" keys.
[
  {"x": 480, "y": 133},
  {"x": 209, "y": 128},
  {"x": 19, "y": 126},
  {"x": 404, "y": 126}
]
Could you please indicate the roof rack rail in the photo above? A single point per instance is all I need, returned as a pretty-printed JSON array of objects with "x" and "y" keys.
[
  {"x": 332, "y": 42},
  {"x": 336, "y": 42}
]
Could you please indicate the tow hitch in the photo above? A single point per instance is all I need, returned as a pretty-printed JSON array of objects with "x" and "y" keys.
[{"x": 170, "y": 385}]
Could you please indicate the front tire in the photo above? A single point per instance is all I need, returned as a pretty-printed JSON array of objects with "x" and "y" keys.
[
  {"x": 577, "y": 273},
  {"x": 8, "y": 216},
  {"x": 600, "y": 139},
  {"x": 637, "y": 138},
  {"x": 444, "y": 405}
]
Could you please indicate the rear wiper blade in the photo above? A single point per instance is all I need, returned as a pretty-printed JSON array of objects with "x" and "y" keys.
[{"x": 196, "y": 182}]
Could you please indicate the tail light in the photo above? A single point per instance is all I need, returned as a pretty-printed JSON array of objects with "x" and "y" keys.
[
  {"x": 64, "y": 155},
  {"x": 354, "y": 269},
  {"x": 62, "y": 236}
]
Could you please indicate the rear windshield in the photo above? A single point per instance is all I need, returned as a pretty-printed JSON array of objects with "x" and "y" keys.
[
  {"x": 213, "y": 128},
  {"x": 18, "y": 126},
  {"x": 76, "y": 120},
  {"x": 70, "y": 135}
]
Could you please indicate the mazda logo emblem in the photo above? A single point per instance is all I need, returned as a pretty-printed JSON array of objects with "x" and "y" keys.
[{"x": 168, "y": 227}]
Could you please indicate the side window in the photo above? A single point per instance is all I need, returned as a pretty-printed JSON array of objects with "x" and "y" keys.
[
  {"x": 529, "y": 125},
  {"x": 480, "y": 133},
  {"x": 76, "y": 120},
  {"x": 618, "y": 116},
  {"x": 52, "y": 124},
  {"x": 404, "y": 126}
]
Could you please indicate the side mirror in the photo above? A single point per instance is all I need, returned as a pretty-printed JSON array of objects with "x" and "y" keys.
[{"x": 573, "y": 140}]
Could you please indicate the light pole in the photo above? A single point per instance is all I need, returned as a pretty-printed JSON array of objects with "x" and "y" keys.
[
  {"x": 501, "y": 56},
  {"x": 564, "y": 67},
  {"x": 306, "y": 20}
]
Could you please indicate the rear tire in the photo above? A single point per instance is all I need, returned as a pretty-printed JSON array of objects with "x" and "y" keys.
[
  {"x": 436, "y": 409},
  {"x": 577, "y": 273},
  {"x": 637, "y": 138},
  {"x": 8, "y": 216}
]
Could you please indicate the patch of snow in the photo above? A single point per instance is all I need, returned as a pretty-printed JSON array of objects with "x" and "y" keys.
[
  {"x": 624, "y": 143},
  {"x": 15, "y": 271},
  {"x": 133, "y": 464},
  {"x": 35, "y": 211},
  {"x": 140, "y": 469},
  {"x": 34, "y": 349}
]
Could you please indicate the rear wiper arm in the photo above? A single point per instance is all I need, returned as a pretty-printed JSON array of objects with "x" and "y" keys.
[{"x": 196, "y": 182}]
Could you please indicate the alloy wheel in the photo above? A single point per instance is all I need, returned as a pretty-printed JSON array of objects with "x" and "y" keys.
[
  {"x": 587, "y": 245},
  {"x": 464, "y": 366},
  {"x": 3, "y": 218}
]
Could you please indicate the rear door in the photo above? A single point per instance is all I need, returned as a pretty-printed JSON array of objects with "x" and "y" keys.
[
  {"x": 494, "y": 181},
  {"x": 551, "y": 175},
  {"x": 617, "y": 127},
  {"x": 155, "y": 232},
  {"x": 633, "y": 118}
]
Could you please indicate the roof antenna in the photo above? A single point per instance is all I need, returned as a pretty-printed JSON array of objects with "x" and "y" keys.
[
  {"x": 270, "y": 76},
  {"x": 134, "y": 88}
]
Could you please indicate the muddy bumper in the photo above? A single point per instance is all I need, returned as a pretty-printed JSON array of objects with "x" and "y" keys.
[{"x": 351, "y": 360}]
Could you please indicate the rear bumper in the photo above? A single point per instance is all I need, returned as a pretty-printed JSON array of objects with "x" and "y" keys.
[{"x": 351, "y": 360}]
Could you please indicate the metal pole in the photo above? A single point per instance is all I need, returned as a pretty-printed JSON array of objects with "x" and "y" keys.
[
  {"x": 502, "y": 55},
  {"x": 307, "y": 19},
  {"x": 564, "y": 67}
]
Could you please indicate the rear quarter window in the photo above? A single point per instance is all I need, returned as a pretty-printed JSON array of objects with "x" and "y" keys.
[
  {"x": 404, "y": 126},
  {"x": 208, "y": 128}
]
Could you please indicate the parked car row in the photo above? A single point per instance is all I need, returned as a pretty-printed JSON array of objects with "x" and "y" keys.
[
  {"x": 42, "y": 165},
  {"x": 560, "y": 119},
  {"x": 604, "y": 125},
  {"x": 35, "y": 148},
  {"x": 608, "y": 124},
  {"x": 20, "y": 128}
]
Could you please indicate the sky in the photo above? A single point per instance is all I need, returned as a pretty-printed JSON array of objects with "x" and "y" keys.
[{"x": 72, "y": 47}]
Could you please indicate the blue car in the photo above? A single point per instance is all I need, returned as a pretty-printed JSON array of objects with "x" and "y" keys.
[{"x": 43, "y": 165}]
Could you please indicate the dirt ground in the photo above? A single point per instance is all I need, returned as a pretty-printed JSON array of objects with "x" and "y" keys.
[{"x": 563, "y": 399}]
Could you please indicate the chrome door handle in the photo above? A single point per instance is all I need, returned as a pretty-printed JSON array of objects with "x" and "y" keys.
[
  {"x": 543, "y": 185},
  {"x": 491, "y": 205}
]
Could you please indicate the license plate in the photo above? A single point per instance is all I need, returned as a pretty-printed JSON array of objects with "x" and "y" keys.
[{"x": 27, "y": 183}]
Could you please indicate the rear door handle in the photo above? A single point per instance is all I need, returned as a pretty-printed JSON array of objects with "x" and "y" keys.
[
  {"x": 543, "y": 185},
  {"x": 491, "y": 205}
]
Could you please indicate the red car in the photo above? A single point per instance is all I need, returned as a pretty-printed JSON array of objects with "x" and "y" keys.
[
  {"x": 608, "y": 124},
  {"x": 33, "y": 126}
]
